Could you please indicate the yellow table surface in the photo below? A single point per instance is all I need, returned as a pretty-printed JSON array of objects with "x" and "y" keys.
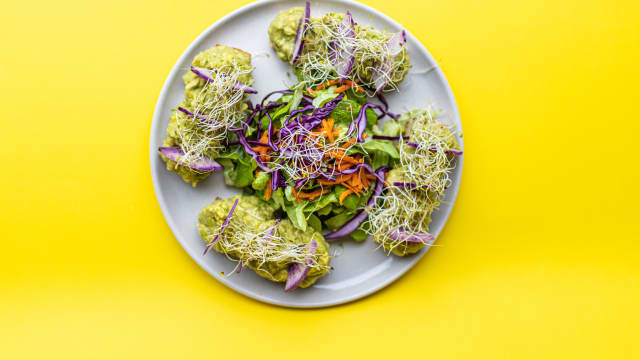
[{"x": 539, "y": 260}]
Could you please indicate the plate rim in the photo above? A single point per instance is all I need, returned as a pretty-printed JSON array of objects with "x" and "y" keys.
[{"x": 200, "y": 260}]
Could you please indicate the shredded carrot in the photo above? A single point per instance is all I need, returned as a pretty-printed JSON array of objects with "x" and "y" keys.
[
  {"x": 346, "y": 162},
  {"x": 295, "y": 194},
  {"x": 355, "y": 85},
  {"x": 267, "y": 193},
  {"x": 355, "y": 182},
  {"x": 363, "y": 179},
  {"x": 329, "y": 128},
  {"x": 264, "y": 139},
  {"x": 325, "y": 182},
  {"x": 327, "y": 84},
  {"x": 365, "y": 135},
  {"x": 344, "y": 166},
  {"x": 313, "y": 195},
  {"x": 339, "y": 180},
  {"x": 344, "y": 194},
  {"x": 263, "y": 149},
  {"x": 336, "y": 154},
  {"x": 342, "y": 88},
  {"x": 352, "y": 159},
  {"x": 353, "y": 189},
  {"x": 310, "y": 91},
  {"x": 349, "y": 143}
]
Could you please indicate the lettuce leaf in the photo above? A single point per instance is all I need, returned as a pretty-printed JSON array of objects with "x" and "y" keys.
[
  {"x": 337, "y": 221},
  {"x": 315, "y": 223},
  {"x": 298, "y": 92},
  {"x": 295, "y": 213},
  {"x": 278, "y": 199},
  {"x": 380, "y": 159},
  {"x": 345, "y": 112},
  {"x": 384, "y": 146},
  {"x": 321, "y": 202},
  {"x": 325, "y": 210},
  {"x": 261, "y": 181},
  {"x": 324, "y": 95},
  {"x": 238, "y": 167},
  {"x": 359, "y": 235},
  {"x": 389, "y": 128}
]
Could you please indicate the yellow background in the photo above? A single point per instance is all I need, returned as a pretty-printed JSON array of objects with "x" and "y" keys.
[{"x": 539, "y": 258}]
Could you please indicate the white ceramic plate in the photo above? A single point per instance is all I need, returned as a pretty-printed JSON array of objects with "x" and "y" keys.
[{"x": 359, "y": 269}]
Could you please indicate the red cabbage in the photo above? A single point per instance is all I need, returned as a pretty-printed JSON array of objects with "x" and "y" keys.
[
  {"x": 450, "y": 152},
  {"x": 312, "y": 123},
  {"x": 249, "y": 120},
  {"x": 328, "y": 107},
  {"x": 396, "y": 42},
  {"x": 224, "y": 226},
  {"x": 298, "y": 111},
  {"x": 385, "y": 109},
  {"x": 275, "y": 180},
  {"x": 342, "y": 56},
  {"x": 300, "y": 182},
  {"x": 382, "y": 69},
  {"x": 270, "y": 106},
  {"x": 283, "y": 92},
  {"x": 360, "y": 122},
  {"x": 297, "y": 272},
  {"x": 205, "y": 163},
  {"x": 269, "y": 131},
  {"x": 362, "y": 165},
  {"x": 251, "y": 152},
  {"x": 302, "y": 27},
  {"x": 189, "y": 113}
]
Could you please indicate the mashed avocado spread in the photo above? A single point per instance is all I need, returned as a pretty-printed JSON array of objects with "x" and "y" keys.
[
  {"x": 426, "y": 170},
  {"x": 282, "y": 34},
  {"x": 255, "y": 216},
  {"x": 221, "y": 58}
]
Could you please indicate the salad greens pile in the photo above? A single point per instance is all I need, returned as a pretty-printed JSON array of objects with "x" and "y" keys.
[{"x": 318, "y": 170}]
